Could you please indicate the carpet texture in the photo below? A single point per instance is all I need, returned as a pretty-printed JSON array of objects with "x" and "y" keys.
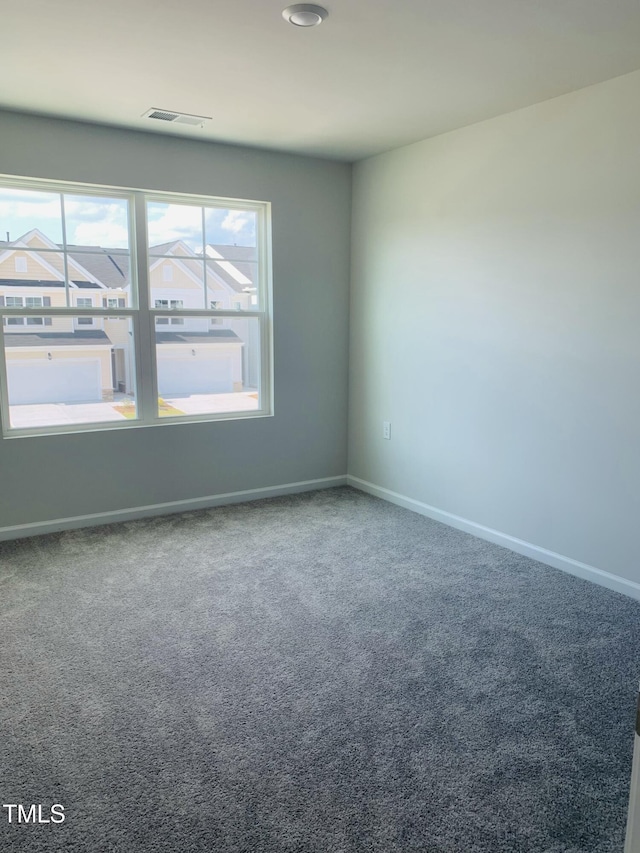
[{"x": 321, "y": 673}]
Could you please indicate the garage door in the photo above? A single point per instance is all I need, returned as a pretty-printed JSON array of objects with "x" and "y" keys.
[
  {"x": 183, "y": 376},
  {"x": 54, "y": 382}
]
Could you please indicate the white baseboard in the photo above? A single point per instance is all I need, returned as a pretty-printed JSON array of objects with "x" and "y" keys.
[
  {"x": 19, "y": 531},
  {"x": 550, "y": 558}
]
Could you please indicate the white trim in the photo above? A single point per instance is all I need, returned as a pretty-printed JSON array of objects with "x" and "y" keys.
[
  {"x": 177, "y": 261},
  {"x": 527, "y": 549},
  {"x": 37, "y": 528},
  {"x": 18, "y": 246}
]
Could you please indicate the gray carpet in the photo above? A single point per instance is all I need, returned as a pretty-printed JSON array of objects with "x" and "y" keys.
[{"x": 324, "y": 673}]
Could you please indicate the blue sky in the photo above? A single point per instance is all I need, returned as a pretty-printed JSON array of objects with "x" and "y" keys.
[{"x": 92, "y": 220}]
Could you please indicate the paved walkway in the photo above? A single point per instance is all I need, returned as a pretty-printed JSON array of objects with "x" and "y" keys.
[{"x": 57, "y": 414}]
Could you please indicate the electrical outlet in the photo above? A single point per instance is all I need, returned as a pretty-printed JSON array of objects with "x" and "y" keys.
[{"x": 386, "y": 429}]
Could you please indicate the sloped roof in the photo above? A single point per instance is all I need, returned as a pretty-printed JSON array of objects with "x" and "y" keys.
[
  {"x": 221, "y": 336},
  {"x": 107, "y": 265},
  {"x": 53, "y": 339},
  {"x": 243, "y": 258},
  {"x": 113, "y": 269},
  {"x": 31, "y": 282},
  {"x": 48, "y": 282}
]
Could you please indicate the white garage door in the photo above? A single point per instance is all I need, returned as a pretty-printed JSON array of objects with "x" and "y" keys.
[
  {"x": 183, "y": 376},
  {"x": 54, "y": 382}
]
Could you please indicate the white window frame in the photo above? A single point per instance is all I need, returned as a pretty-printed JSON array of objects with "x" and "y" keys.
[
  {"x": 21, "y": 264},
  {"x": 169, "y": 305},
  {"x": 80, "y": 303},
  {"x": 143, "y": 316},
  {"x": 23, "y": 302}
]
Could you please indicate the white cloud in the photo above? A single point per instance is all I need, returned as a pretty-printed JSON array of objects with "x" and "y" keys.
[
  {"x": 175, "y": 222},
  {"x": 235, "y": 221},
  {"x": 100, "y": 223},
  {"x": 106, "y": 234}
]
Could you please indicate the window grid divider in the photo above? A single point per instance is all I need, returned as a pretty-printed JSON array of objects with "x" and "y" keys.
[{"x": 140, "y": 313}]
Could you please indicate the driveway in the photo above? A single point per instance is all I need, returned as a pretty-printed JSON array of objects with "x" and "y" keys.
[{"x": 61, "y": 414}]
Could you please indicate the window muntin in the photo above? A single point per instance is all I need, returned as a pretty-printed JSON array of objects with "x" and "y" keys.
[
  {"x": 70, "y": 227},
  {"x": 213, "y": 247},
  {"x": 205, "y": 372},
  {"x": 66, "y": 237},
  {"x": 70, "y": 380},
  {"x": 24, "y": 302}
]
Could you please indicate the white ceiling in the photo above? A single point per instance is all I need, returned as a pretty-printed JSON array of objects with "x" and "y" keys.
[{"x": 376, "y": 74}]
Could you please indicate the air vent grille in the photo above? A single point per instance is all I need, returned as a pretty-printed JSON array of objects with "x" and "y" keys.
[
  {"x": 176, "y": 118},
  {"x": 162, "y": 115}
]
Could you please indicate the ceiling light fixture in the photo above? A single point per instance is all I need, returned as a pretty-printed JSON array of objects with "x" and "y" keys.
[{"x": 304, "y": 15}]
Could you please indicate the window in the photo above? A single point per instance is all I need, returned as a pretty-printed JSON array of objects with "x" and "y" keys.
[
  {"x": 21, "y": 263},
  {"x": 95, "y": 364},
  {"x": 26, "y": 302},
  {"x": 84, "y": 302},
  {"x": 173, "y": 304}
]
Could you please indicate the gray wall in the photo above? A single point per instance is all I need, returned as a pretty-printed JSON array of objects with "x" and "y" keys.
[
  {"x": 61, "y": 476},
  {"x": 496, "y": 323}
]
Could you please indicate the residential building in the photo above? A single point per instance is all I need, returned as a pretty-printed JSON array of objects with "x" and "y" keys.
[{"x": 88, "y": 358}]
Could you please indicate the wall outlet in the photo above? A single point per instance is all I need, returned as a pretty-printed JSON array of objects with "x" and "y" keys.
[{"x": 386, "y": 429}]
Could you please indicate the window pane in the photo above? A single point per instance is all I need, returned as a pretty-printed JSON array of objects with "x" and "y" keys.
[
  {"x": 97, "y": 221},
  {"x": 184, "y": 288},
  {"x": 208, "y": 369},
  {"x": 174, "y": 229},
  {"x": 22, "y": 211},
  {"x": 99, "y": 275},
  {"x": 230, "y": 227},
  {"x": 62, "y": 372},
  {"x": 232, "y": 282}
]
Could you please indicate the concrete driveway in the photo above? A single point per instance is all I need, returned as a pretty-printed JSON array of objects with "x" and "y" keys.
[{"x": 60, "y": 414}]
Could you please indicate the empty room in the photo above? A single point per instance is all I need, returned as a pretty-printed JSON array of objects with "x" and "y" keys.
[{"x": 319, "y": 451}]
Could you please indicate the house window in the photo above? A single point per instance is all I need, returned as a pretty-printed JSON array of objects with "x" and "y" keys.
[
  {"x": 26, "y": 302},
  {"x": 169, "y": 303},
  {"x": 201, "y": 364},
  {"x": 173, "y": 304},
  {"x": 84, "y": 302},
  {"x": 21, "y": 263}
]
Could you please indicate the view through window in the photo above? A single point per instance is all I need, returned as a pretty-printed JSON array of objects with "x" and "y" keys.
[{"x": 99, "y": 328}]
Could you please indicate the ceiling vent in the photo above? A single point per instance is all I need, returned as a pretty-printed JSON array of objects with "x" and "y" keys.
[{"x": 176, "y": 118}]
